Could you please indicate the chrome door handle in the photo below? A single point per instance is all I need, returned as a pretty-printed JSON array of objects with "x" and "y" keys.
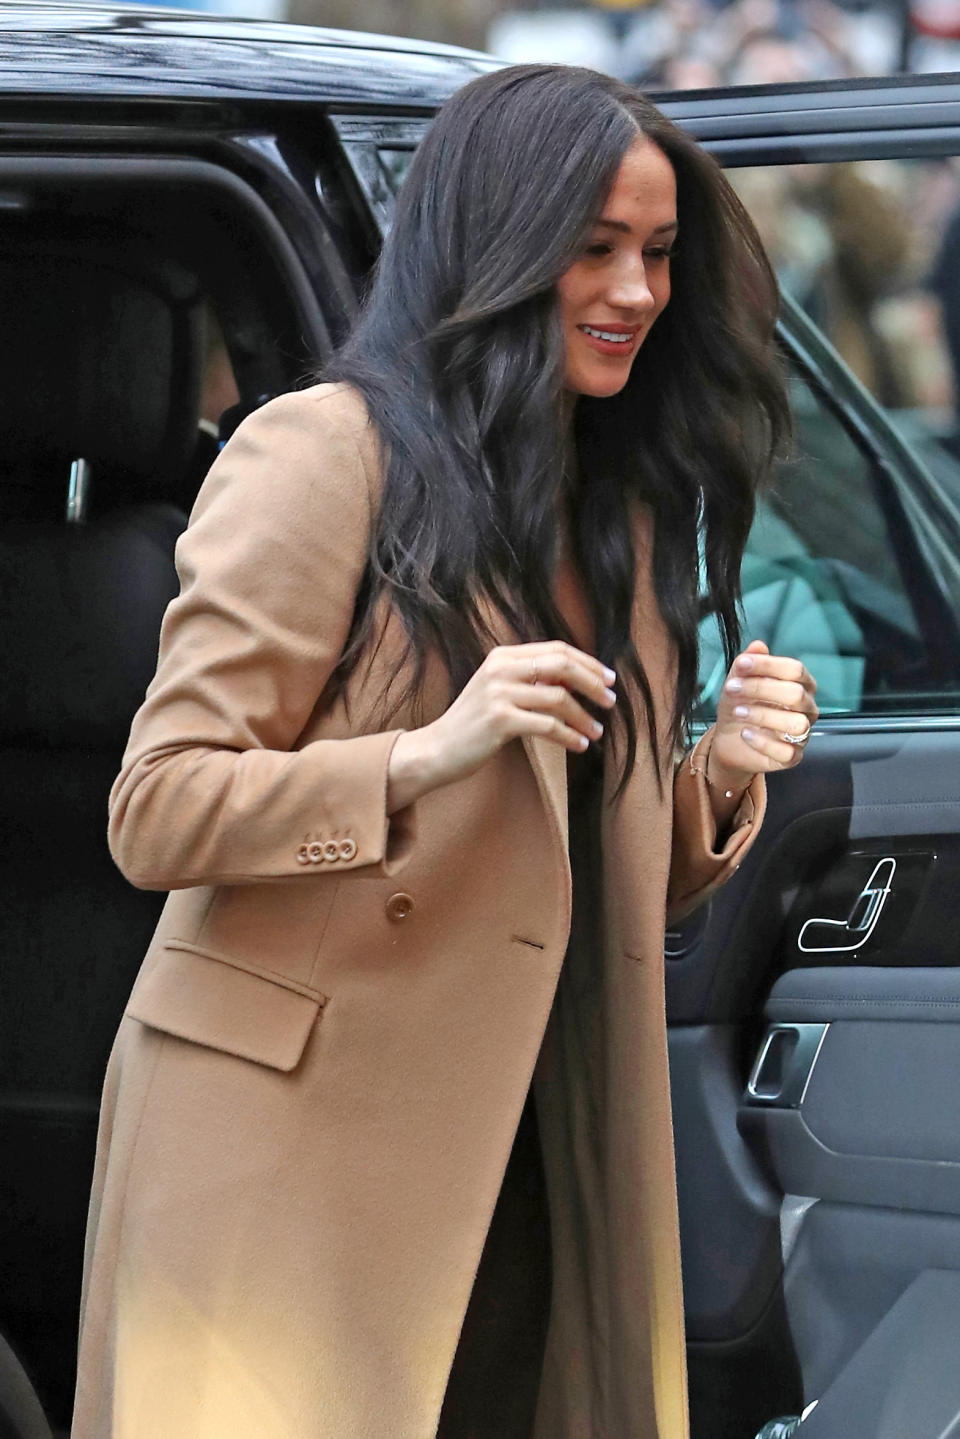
[
  {"x": 841, "y": 936},
  {"x": 783, "y": 1067}
]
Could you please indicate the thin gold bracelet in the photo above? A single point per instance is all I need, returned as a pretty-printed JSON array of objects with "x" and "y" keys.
[{"x": 695, "y": 769}]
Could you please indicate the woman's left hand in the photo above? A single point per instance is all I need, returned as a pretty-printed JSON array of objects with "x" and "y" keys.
[{"x": 765, "y": 697}]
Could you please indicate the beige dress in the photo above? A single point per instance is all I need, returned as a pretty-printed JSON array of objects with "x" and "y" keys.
[{"x": 495, "y": 1380}]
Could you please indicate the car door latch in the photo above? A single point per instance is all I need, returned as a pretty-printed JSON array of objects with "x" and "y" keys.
[{"x": 784, "y": 1064}]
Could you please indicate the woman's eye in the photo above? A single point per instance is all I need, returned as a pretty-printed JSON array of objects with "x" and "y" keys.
[
  {"x": 598, "y": 248},
  {"x": 658, "y": 254}
]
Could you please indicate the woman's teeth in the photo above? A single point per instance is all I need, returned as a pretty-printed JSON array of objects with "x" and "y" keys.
[{"x": 618, "y": 339}]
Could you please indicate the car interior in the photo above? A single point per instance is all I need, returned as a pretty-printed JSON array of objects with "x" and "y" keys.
[{"x": 130, "y": 307}]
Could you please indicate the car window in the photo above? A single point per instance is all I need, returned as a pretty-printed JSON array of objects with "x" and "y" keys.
[
  {"x": 871, "y": 252},
  {"x": 395, "y": 164},
  {"x": 823, "y": 578},
  {"x": 379, "y": 150}
]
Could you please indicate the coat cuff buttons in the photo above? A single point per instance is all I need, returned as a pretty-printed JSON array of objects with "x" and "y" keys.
[{"x": 329, "y": 851}]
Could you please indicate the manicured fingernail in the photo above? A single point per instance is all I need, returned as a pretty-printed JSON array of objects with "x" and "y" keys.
[
  {"x": 597, "y": 728},
  {"x": 611, "y": 696},
  {"x": 748, "y": 734},
  {"x": 609, "y": 675},
  {"x": 582, "y": 741},
  {"x": 734, "y": 686},
  {"x": 745, "y": 663},
  {"x": 741, "y": 712}
]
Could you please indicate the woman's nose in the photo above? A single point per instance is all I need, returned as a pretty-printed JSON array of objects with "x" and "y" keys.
[{"x": 630, "y": 290}]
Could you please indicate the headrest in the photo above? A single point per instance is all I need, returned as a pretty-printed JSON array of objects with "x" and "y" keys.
[
  {"x": 101, "y": 359},
  {"x": 80, "y": 612}
]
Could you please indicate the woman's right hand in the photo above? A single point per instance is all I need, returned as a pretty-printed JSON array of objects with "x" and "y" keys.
[{"x": 518, "y": 690}]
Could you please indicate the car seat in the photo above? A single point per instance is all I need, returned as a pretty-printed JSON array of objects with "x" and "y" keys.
[{"x": 100, "y": 363}]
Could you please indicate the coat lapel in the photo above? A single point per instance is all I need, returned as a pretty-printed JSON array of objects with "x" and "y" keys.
[{"x": 549, "y": 764}]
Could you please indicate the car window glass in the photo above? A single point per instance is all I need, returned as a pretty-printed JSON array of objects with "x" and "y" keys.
[
  {"x": 871, "y": 252},
  {"x": 395, "y": 164},
  {"x": 824, "y": 578}
]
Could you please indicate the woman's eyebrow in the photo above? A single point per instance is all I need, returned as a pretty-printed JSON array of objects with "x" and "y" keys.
[{"x": 669, "y": 228}]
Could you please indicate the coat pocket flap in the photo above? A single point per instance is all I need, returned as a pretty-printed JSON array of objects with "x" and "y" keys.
[{"x": 204, "y": 998}]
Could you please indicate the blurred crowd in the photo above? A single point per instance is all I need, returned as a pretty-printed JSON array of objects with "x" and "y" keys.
[
  {"x": 682, "y": 44},
  {"x": 664, "y": 43},
  {"x": 869, "y": 249},
  {"x": 753, "y": 42}
]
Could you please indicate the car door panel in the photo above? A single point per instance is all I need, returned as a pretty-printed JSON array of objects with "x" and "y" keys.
[
  {"x": 873, "y": 1121},
  {"x": 904, "y": 1379},
  {"x": 846, "y": 1269},
  {"x": 868, "y": 1129},
  {"x": 859, "y": 793}
]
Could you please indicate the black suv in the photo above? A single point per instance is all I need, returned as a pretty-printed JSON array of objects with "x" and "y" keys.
[{"x": 188, "y": 209}]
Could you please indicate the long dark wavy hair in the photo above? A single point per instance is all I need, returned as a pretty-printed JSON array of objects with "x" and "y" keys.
[{"x": 459, "y": 355}]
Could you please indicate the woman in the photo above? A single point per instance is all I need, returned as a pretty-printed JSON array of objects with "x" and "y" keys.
[{"x": 484, "y": 533}]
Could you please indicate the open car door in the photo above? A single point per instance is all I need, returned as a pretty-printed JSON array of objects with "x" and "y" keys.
[{"x": 814, "y": 1005}]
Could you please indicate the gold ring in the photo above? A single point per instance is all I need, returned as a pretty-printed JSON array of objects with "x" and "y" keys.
[{"x": 798, "y": 740}]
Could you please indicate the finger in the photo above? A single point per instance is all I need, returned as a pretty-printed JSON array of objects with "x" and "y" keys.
[
  {"x": 551, "y": 650},
  {"x": 779, "y": 667},
  {"x": 768, "y": 744},
  {"x": 563, "y": 660},
  {"x": 550, "y": 727},
  {"x": 558, "y": 701},
  {"x": 777, "y": 721},
  {"x": 781, "y": 694},
  {"x": 569, "y": 668}
]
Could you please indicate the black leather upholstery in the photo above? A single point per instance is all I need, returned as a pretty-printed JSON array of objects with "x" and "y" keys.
[
  {"x": 101, "y": 360},
  {"x": 89, "y": 600}
]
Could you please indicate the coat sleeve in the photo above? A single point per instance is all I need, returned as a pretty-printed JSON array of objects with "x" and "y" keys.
[
  {"x": 212, "y": 789},
  {"x": 697, "y": 867}
]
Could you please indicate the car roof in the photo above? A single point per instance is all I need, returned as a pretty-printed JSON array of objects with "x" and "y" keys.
[
  {"x": 77, "y": 51},
  {"x": 101, "y": 50}
]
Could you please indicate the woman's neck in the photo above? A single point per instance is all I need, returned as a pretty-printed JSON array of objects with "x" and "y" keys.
[{"x": 568, "y": 405}]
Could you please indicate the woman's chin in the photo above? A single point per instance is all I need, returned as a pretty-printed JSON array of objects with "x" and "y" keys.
[{"x": 598, "y": 387}]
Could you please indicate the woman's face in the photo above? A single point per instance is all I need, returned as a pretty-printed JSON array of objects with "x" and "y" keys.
[{"x": 611, "y": 295}]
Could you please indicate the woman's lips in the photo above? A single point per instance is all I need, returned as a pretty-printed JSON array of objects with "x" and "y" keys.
[{"x": 598, "y": 337}]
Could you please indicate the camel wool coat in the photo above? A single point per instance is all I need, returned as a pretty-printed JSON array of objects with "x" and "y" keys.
[{"x": 315, "y": 1087}]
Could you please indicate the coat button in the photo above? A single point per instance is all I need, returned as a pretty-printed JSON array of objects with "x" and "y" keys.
[
  {"x": 331, "y": 851},
  {"x": 399, "y": 906},
  {"x": 347, "y": 848},
  {"x": 315, "y": 853},
  {"x": 303, "y": 856}
]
